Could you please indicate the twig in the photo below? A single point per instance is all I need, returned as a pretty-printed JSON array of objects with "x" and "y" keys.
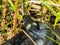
[{"x": 29, "y": 37}]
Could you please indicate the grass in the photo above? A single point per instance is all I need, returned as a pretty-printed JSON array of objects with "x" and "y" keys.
[
  {"x": 14, "y": 6},
  {"x": 4, "y": 14},
  {"x": 25, "y": 8},
  {"x": 53, "y": 32},
  {"x": 57, "y": 18}
]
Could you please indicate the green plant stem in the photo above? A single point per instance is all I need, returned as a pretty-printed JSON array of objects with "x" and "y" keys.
[
  {"x": 54, "y": 33},
  {"x": 53, "y": 40}
]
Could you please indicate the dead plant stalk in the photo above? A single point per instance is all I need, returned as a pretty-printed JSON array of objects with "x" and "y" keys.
[
  {"x": 4, "y": 14},
  {"x": 15, "y": 19}
]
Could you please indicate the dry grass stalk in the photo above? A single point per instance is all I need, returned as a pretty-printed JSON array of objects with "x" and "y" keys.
[
  {"x": 23, "y": 9},
  {"x": 4, "y": 14},
  {"x": 15, "y": 19},
  {"x": 29, "y": 37},
  {"x": 40, "y": 2},
  {"x": 36, "y": 6}
]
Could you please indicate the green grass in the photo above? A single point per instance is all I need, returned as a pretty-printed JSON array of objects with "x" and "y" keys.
[
  {"x": 14, "y": 6},
  {"x": 57, "y": 18},
  {"x": 20, "y": 16},
  {"x": 54, "y": 12},
  {"x": 53, "y": 32}
]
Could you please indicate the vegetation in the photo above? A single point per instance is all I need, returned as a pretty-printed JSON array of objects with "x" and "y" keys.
[{"x": 12, "y": 12}]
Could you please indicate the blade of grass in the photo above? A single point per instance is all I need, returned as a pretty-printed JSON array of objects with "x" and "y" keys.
[
  {"x": 56, "y": 14},
  {"x": 53, "y": 40},
  {"x": 15, "y": 17},
  {"x": 50, "y": 8},
  {"x": 12, "y": 5},
  {"x": 20, "y": 17},
  {"x": 53, "y": 32},
  {"x": 57, "y": 18}
]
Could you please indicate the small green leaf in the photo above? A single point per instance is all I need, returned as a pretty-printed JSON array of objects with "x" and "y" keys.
[{"x": 20, "y": 17}]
